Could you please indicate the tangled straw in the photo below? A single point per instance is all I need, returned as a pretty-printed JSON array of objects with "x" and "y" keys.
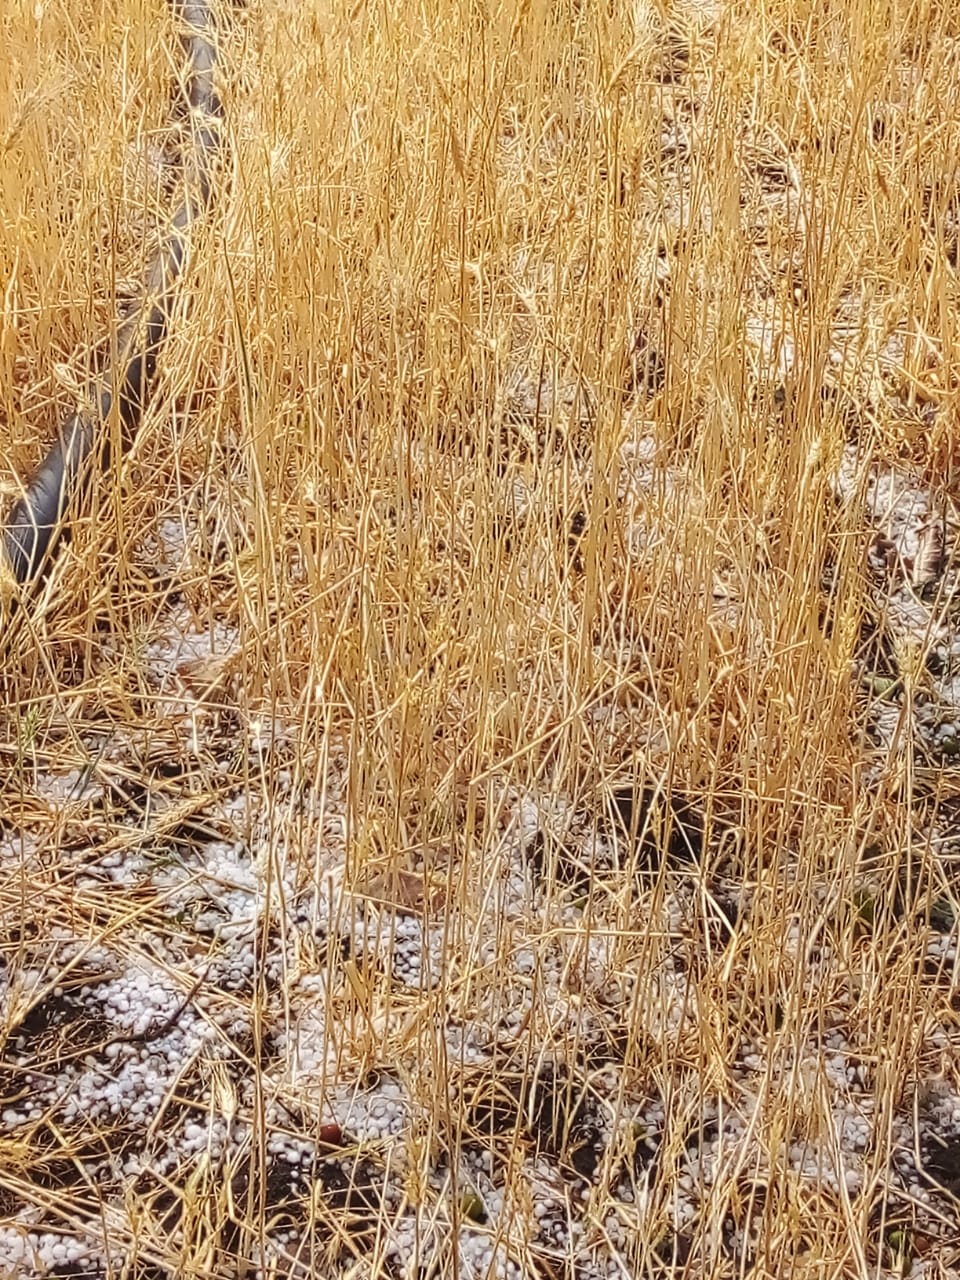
[{"x": 56, "y": 490}]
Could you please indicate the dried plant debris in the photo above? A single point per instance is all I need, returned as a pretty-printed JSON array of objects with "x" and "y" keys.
[
  {"x": 216, "y": 1088},
  {"x": 908, "y": 661},
  {"x": 477, "y": 800}
]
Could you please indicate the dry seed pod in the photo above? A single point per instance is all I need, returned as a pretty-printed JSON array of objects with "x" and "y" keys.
[{"x": 929, "y": 562}]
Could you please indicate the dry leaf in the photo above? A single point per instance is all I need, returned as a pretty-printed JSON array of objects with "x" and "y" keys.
[{"x": 403, "y": 891}]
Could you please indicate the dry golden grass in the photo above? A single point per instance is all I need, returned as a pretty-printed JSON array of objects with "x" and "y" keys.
[{"x": 457, "y": 554}]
